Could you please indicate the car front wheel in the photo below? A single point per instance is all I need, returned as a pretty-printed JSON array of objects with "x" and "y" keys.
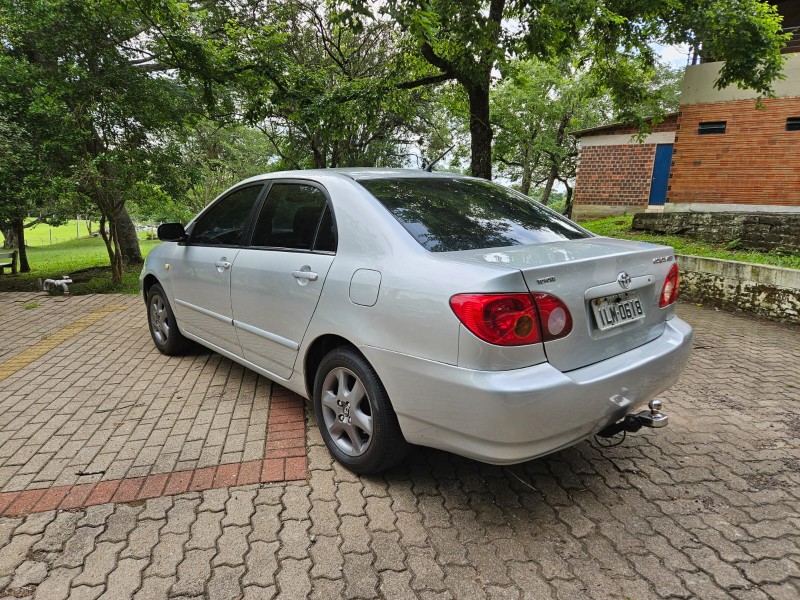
[
  {"x": 163, "y": 327},
  {"x": 355, "y": 415}
]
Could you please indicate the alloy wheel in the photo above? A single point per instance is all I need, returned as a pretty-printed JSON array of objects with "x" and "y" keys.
[{"x": 347, "y": 411}]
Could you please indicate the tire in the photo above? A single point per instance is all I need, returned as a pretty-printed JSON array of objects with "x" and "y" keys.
[
  {"x": 162, "y": 324},
  {"x": 358, "y": 423}
]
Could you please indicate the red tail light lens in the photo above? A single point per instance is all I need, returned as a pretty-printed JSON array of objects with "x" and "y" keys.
[
  {"x": 501, "y": 319},
  {"x": 555, "y": 317},
  {"x": 511, "y": 319},
  {"x": 669, "y": 293}
]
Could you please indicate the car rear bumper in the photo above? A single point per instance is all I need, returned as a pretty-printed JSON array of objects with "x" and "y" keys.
[{"x": 505, "y": 417}]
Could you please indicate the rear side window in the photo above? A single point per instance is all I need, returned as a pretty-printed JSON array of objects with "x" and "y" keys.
[
  {"x": 445, "y": 214},
  {"x": 291, "y": 217}
]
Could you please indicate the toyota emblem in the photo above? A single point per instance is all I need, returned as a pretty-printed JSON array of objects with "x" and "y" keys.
[{"x": 624, "y": 280}]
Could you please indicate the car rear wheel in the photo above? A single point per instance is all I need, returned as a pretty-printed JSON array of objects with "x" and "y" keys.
[
  {"x": 355, "y": 415},
  {"x": 163, "y": 327}
]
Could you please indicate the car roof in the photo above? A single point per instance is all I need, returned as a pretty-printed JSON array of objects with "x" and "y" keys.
[{"x": 358, "y": 173}]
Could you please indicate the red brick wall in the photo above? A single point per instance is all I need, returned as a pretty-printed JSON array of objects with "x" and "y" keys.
[
  {"x": 755, "y": 162},
  {"x": 614, "y": 176}
]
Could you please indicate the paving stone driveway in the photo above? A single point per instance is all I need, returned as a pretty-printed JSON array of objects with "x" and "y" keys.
[{"x": 707, "y": 508}]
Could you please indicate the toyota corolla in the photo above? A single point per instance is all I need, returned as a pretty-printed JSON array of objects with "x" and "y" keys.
[{"x": 424, "y": 308}]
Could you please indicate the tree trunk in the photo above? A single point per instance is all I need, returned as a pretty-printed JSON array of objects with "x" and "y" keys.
[
  {"x": 527, "y": 172},
  {"x": 551, "y": 179},
  {"x": 127, "y": 238},
  {"x": 568, "y": 207},
  {"x": 556, "y": 161},
  {"x": 9, "y": 237},
  {"x": 480, "y": 130},
  {"x": 19, "y": 228},
  {"x": 111, "y": 239}
]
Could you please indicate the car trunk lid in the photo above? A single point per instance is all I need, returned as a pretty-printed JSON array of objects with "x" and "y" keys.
[{"x": 589, "y": 276}]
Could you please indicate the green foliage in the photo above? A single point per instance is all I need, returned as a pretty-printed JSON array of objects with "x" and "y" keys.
[
  {"x": 538, "y": 105},
  {"x": 98, "y": 102},
  {"x": 149, "y": 203},
  {"x": 216, "y": 157},
  {"x": 334, "y": 102},
  {"x": 620, "y": 227},
  {"x": 609, "y": 39}
]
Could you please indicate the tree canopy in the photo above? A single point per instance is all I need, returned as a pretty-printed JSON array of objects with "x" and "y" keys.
[
  {"x": 155, "y": 106},
  {"x": 470, "y": 41}
]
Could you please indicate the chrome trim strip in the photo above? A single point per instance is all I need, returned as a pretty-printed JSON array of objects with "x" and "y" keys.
[
  {"x": 607, "y": 289},
  {"x": 205, "y": 311},
  {"x": 267, "y": 335}
]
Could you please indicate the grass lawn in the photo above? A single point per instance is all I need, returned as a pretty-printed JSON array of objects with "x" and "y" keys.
[
  {"x": 620, "y": 227},
  {"x": 43, "y": 235},
  {"x": 86, "y": 260}
]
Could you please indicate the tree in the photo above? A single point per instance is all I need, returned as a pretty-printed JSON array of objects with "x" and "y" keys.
[
  {"x": 216, "y": 156},
  {"x": 471, "y": 40},
  {"x": 333, "y": 102},
  {"x": 538, "y": 104},
  {"x": 99, "y": 98},
  {"x": 14, "y": 169},
  {"x": 29, "y": 183},
  {"x": 535, "y": 109}
]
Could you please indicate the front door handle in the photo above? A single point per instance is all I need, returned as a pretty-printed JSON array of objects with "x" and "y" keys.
[
  {"x": 307, "y": 275},
  {"x": 222, "y": 265}
]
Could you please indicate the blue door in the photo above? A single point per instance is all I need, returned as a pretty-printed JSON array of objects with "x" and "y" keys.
[{"x": 658, "y": 187}]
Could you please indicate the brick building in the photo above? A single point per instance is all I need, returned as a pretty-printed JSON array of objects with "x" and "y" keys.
[
  {"x": 618, "y": 173},
  {"x": 721, "y": 152}
]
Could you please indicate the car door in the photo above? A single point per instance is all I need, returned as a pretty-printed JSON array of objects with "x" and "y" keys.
[
  {"x": 201, "y": 268},
  {"x": 277, "y": 280}
]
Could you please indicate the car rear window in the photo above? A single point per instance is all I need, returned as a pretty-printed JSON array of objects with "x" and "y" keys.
[{"x": 446, "y": 215}]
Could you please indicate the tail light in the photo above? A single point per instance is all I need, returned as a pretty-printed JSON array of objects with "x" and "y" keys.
[
  {"x": 669, "y": 293},
  {"x": 512, "y": 319},
  {"x": 554, "y": 315}
]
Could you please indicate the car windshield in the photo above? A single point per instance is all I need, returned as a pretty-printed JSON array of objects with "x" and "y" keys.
[{"x": 449, "y": 214}]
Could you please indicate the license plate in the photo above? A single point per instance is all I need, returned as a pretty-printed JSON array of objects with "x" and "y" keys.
[{"x": 616, "y": 310}]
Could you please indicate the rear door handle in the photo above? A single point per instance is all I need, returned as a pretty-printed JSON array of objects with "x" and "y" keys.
[
  {"x": 223, "y": 264},
  {"x": 307, "y": 275}
]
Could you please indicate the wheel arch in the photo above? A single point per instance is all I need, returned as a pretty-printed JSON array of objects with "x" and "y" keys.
[
  {"x": 149, "y": 281},
  {"x": 316, "y": 352}
]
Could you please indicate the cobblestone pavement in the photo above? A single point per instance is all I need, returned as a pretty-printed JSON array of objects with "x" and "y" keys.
[{"x": 707, "y": 508}]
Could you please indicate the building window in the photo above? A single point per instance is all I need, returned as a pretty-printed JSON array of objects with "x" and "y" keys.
[
  {"x": 793, "y": 124},
  {"x": 712, "y": 127}
]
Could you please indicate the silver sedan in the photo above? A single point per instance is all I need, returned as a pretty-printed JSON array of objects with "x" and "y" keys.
[{"x": 419, "y": 308}]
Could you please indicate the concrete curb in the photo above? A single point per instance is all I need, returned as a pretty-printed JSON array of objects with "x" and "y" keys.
[{"x": 763, "y": 290}]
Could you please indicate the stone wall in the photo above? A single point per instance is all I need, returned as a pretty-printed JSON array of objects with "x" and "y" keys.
[
  {"x": 757, "y": 231},
  {"x": 766, "y": 291}
]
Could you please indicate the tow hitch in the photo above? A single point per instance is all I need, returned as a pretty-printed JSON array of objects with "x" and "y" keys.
[{"x": 634, "y": 422}]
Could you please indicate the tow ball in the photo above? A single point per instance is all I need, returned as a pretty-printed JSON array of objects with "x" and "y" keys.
[{"x": 634, "y": 422}]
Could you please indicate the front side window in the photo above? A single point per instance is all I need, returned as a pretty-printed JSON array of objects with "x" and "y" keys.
[
  {"x": 448, "y": 214},
  {"x": 291, "y": 217},
  {"x": 223, "y": 224}
]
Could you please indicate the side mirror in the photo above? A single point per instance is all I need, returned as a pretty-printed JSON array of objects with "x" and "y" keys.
[{"x": 171, "y": 232}]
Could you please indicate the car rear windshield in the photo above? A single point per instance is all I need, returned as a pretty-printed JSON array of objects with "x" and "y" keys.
[{"x": 446, "y": 214}]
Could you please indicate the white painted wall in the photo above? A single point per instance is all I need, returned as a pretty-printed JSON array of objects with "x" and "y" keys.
[
  {"x": 698, "y": 84},
  {"x": 621, "y": 139}
]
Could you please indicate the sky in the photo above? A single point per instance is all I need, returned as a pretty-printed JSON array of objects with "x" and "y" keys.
[{"x": 677, "y": 56}]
